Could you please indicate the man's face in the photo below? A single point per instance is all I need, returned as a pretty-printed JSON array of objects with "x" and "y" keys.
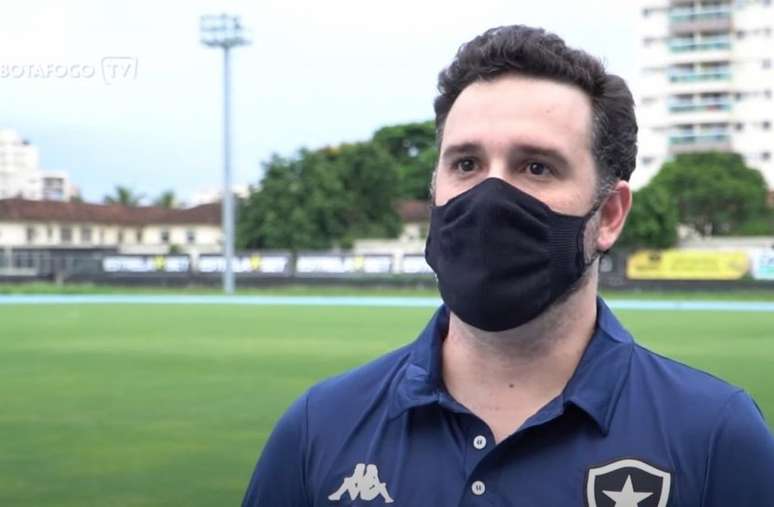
[{"x": 532, "y": 133}]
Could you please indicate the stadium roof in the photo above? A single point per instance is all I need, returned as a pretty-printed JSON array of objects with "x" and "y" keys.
[
  {"x": 413, "y": 211},
  {"x": 57, "y": 211},
  {"x": 16, "y": 209}
]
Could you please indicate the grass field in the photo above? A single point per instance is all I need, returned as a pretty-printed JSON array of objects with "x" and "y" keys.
[
  {"x": 134, "y": 405},
  {"x": 751, "y": 294}
]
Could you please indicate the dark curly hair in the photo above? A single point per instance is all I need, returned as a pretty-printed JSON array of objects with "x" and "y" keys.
[{"x": 534, "y": 52}]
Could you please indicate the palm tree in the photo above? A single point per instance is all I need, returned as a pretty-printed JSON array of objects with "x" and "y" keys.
[
  {"x": 167, "y": 200},
  {"x": 125, "y": 196}
]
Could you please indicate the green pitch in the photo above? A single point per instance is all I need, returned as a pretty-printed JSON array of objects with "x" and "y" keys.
[{"x": 125, "y": 406}]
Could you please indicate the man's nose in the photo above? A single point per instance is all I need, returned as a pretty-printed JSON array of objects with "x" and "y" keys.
[{"x": 498, "y": 169}]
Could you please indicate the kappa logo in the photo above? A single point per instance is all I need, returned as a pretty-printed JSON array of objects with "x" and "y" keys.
[
  {"x": 627, "y": 483},
  {"x": 364, "y": 482}
]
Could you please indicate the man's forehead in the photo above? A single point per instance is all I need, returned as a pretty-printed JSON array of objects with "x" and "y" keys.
[{"x": 546, "y": 112}]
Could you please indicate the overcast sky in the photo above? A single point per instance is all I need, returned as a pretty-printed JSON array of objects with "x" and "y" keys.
[{"x": 318, "y": 72}]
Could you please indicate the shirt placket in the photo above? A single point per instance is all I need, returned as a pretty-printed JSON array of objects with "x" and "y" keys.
[
  {"x": 478, "y": 442},
  {"x": 482, "y": 476}
]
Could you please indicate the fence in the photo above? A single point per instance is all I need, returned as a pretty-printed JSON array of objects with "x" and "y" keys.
[{"x": 670, "y": 268}]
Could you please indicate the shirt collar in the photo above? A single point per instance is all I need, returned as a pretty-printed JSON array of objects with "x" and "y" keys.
[{"x": 594, "y": 387}]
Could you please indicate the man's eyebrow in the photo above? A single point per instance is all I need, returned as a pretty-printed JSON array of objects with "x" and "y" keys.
[
  {"x": 461, "y": 149},
  {"x": 531, "y": 150},
  {"x": 474, "y": 148}
]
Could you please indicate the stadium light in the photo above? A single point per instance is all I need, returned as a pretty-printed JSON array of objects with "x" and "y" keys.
[{"x": 225, "y": 32}]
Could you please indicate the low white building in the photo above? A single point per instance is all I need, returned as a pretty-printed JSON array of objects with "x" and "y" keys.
[
  {"x": 20, "y": 175},
  {"x": 31, "y": 224}
]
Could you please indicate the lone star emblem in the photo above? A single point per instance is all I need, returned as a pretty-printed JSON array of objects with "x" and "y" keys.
[
  {"x": 627, "y": 483},
  {"x": 627, "y": 497}
]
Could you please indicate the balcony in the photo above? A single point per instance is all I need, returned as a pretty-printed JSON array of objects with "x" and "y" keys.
[
  {"x": 689, "y": 20},
  {"x": 707, "y": 44},
  {"x": 707, "y": 75},
  {"x": 681, "y": 15},
  {"x": 706, "y": 106},
  {"x": 696, "y": 142}
]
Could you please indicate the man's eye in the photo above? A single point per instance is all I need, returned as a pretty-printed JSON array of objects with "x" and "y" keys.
[
  {"x": 465, "y": 165},
  {"x": 537, "y": 169}
]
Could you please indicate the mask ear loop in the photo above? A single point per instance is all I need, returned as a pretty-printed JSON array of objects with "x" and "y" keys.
[{"x": 596, "y": 207}]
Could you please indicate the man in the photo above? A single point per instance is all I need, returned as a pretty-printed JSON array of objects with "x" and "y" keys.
[{"x": 523, "y": 389}]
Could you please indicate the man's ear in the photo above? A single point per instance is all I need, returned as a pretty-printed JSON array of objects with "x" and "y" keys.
[{"x": 612, "y": 215}]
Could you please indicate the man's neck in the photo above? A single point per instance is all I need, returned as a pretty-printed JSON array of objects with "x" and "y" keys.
[{"x": 505, "y": 377}]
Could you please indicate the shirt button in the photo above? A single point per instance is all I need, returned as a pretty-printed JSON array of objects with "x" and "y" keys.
[
  {"x": 479, "y": 442},
  {"x": 478, "y": 488}
]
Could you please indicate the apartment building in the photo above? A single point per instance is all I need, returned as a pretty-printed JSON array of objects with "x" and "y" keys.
[
  {"x": 707, "y": 81},
  {"x": 20, "y": 175}
]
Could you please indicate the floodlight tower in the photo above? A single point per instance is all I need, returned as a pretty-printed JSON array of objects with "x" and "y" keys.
[{"x": 225, "y": 32}]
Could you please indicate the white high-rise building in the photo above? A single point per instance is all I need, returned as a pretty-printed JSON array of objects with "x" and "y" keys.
[
  {"x": 215, "y": 194},
  {"x": 20, "y": 175},
  {"x": 707, "y": 82}
]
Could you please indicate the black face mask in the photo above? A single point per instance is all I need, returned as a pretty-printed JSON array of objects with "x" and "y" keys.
[{"x": 502, "y": 256}]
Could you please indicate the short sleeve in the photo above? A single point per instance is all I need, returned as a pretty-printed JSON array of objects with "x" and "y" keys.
[
  {"x": 279, "y": 478},
  {"x": 740, "y": 468}
]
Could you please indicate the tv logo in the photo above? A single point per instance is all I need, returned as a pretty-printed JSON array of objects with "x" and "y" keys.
[{"x": 118, "y": 68}]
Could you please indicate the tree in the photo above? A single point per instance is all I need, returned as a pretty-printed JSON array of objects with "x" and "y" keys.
[
  {"x": 715, "y": 193},
  {"x": 323, "y": 198},
  {"x": 413, "y": 147},
  {"x": 369, "y": 178},
  {"x": 123, "y": 195},
  {"x": 167, "y": 200},
  {"x": 652, "y": 221},
  {"x": 275, "y": 217},
  {"x": 334, "y": 195},
  {"x": 759, "y": 226}
]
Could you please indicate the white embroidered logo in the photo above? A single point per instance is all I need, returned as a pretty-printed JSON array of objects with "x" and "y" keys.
[{"x": 364, "y": 482}]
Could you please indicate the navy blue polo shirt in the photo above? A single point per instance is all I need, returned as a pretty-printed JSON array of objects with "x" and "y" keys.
[{"x": 630, "y": 429}]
